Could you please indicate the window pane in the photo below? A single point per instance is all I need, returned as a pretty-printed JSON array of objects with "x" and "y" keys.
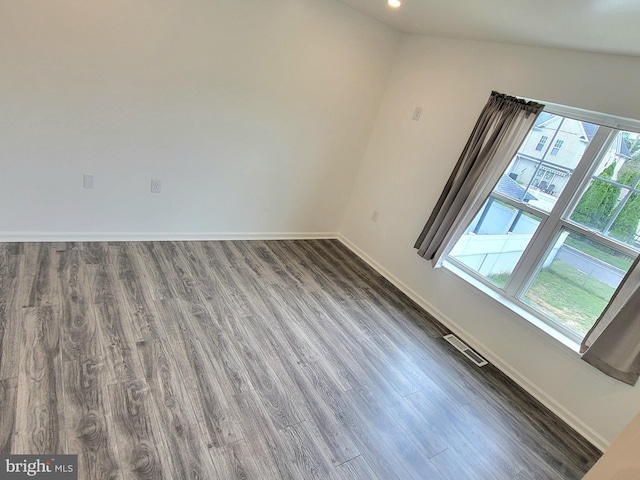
[
  {"x": 611, "y": 202},
  {"x": 495, "y": 240},
  {"x": 597, "y": 207},
  {"x": 556, "y": 148},
  {"x": 576, "y": 281},
  {"x": 625, "y": 227},
  {"x": 541, "y": 142},
  {"x": 624, "y": 151},
  {"x": 546, "y": 160}
]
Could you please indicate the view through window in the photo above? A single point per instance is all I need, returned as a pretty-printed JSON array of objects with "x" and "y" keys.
[{"x": 561, "y": 227}]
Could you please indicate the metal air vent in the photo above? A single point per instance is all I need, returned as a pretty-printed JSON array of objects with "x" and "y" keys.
[{"x": 465, "y": 350}]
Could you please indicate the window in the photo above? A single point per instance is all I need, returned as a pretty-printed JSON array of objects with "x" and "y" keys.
[
  {"x": 556, "y": 148},
  {"x": 541, "y": 142},
  {"x": 558, "y": 233}
]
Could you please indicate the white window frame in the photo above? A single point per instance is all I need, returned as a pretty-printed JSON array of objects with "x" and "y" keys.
[
  {"x": 552, "y": 223},
  {"x": 543, "y": 139},
  {"x": 556, "y": 147}
]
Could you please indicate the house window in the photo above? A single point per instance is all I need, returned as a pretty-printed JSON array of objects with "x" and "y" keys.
[
  {"x": 541, "y": 142},
  {"x": 557, "y": 235},
  {"x": 556, "y": 148}
]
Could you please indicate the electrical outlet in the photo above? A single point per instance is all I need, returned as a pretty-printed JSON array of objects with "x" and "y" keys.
[
  {"x": 156, "y": 186},
  {"x": 87, "y": 181},
  {"x": 416, "y": 113},
  {"x": 375, "y": 215}
]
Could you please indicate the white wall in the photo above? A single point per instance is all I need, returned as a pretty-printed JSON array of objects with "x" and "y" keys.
[
  {"x": 407, "y": 164},
  {"x": 253, "y": 113}
]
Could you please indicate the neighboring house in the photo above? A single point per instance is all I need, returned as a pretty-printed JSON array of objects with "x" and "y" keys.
[
  {"x": 618, "y": 153},
  {"x": 552, "y": 150}
]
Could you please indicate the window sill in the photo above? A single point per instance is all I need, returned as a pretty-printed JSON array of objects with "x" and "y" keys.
[{"x": 531, "y": 319}]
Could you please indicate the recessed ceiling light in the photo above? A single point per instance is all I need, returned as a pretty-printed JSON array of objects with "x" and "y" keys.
[{"x": 394, "y": 3}]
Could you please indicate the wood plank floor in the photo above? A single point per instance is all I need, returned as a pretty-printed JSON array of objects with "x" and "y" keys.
[{"x": 251, "y": 360}]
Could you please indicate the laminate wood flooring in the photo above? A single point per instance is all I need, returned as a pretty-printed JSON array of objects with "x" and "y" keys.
[{"x": 251, "y": 360}]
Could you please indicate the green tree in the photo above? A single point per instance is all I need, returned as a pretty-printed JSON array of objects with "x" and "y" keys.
[
  {"x": 596, "y": 205},
  {"x": 626, "y": 225},
  {"x": 630, "y": 171}
]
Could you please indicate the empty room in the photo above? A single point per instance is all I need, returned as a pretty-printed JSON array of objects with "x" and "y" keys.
[{"x": 319, "y": 239}]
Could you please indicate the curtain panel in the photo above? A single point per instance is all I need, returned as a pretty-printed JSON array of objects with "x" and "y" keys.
[
  {"x": 613, "y": 343},
  {"x": 496, "y": 137}
]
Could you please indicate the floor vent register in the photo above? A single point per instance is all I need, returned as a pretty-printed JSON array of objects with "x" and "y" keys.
[{"x": 465, "y": 350}]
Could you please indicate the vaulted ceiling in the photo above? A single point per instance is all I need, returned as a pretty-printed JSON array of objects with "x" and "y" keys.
[{"x": 608, "y": 26}]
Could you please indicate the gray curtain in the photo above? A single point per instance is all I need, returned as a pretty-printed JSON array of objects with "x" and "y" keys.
[
  {"x": 501, "y": 128},
  {"x": 613, "y": 343}
]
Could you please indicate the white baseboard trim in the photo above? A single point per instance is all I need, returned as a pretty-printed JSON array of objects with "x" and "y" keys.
[
  {"x": 534, "y": 390},
  {"x": 157, "y": 236}
]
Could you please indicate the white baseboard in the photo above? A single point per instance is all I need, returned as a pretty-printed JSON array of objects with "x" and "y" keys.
[
  {"x": 534, "y": 390},
  {"x": 157, "y": 236}
]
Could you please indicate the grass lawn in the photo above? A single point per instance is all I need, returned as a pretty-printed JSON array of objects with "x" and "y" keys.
[
  {"x": 569, "y": 295},
  {"x": 621, "y": 262},
  {"x": 565, "y": 294},
  {"x": 499, "y": 279}
]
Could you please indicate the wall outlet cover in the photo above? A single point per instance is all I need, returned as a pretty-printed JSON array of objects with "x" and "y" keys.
[{"x": 87, "y": 181}]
